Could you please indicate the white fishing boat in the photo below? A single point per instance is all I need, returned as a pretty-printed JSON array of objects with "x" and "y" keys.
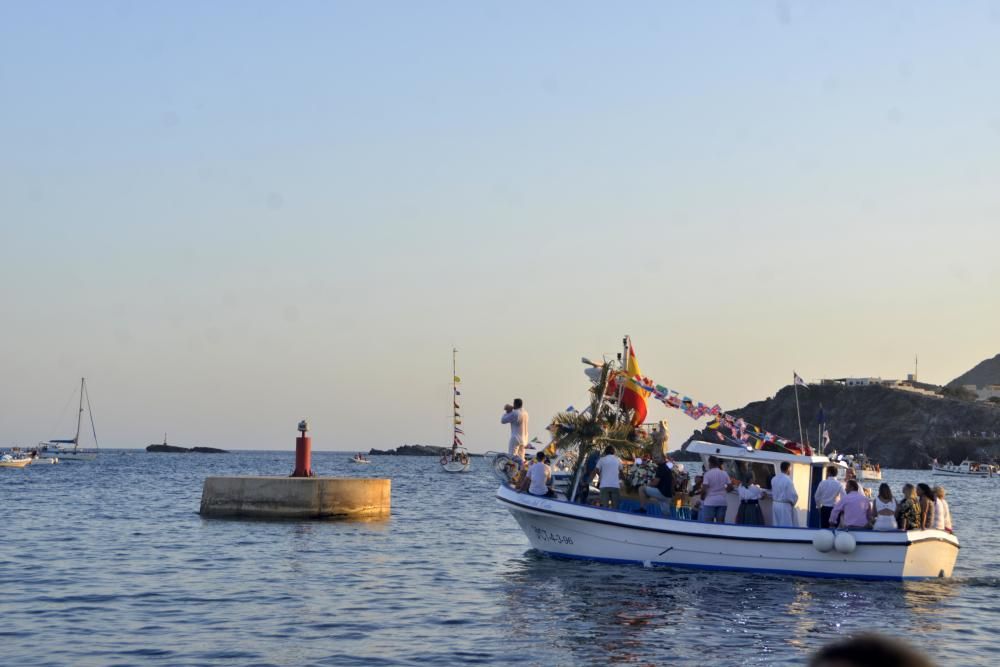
[
  {"x": 8, "y": 461},
  {"x": 456, "y": 460},
  {"x": 865, "y": 470},
  {"x": 360, "y": 458},
  {"x": 966, "y": 468},
  {"x": 44, "y": 460},
  {"x": 70, "y": 449},
  {"x": 663, "y": 535},
  {"x": 563, "y": 529}
]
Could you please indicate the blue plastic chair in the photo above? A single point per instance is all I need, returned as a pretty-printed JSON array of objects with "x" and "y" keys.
[{"x": 628, "y": 506}]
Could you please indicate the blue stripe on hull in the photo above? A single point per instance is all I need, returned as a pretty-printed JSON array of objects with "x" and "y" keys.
[{"x": 721, "y": 568}]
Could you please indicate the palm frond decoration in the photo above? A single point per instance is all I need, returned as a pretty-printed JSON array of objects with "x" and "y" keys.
[{"x": 602, "y": 424}]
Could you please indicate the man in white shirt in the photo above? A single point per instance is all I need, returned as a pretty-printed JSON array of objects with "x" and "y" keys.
[
  {"x": 536, "y": 482},
  {"x": 827, "y": 494},
  {"x": 517, "y": 417},
  {"x": 608, "y": 468},
  {"x": 784, "y": 497}
]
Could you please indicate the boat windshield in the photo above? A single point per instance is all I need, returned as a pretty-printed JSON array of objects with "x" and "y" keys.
[{"x": 762, "y": 472}]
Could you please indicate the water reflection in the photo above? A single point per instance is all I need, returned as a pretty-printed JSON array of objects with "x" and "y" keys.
[{"x": 620, "y": 612}]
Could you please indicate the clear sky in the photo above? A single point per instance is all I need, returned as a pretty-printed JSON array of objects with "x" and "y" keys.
[{"x": 232, "y": 215}]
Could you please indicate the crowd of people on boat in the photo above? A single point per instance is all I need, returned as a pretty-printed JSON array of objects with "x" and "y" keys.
[
  {"x": 847, "y": 505},
  {"x": 842, "y": 503}
]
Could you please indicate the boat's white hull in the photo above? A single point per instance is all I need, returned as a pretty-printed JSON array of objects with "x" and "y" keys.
[
  {"x": 456, "y": 466},
  {"x": 357, "y": 461},
  {"x": 566, "y": 530},
  {"x": 16, "y": 463},
  {"x": 958, "y": 473},
  {"x": 870, "y": 475},
  {"x": 44, "y": 460}
]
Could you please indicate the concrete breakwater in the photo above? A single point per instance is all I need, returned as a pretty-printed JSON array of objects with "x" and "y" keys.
[{"x": 296, "y": 497}]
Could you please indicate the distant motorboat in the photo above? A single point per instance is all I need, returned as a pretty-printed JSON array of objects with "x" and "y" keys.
[
  {"x": 868, "y": 472},
  {"x": 360, "y": 458},
  {"x": 8, "y": 461},
  {"x": 863, "y": 468},
  {"x": 966, "y": 468},
  {"x": 44, "y": 460}
]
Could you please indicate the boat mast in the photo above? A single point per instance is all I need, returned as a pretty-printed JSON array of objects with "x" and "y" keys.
[
  {"x": 93, "y": 427},
  {"x": 79, "y": 416},
  {"x": 454, "y": 401}
]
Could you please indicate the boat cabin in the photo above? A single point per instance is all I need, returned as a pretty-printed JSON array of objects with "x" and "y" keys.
[{"x": 806, "y": 473}]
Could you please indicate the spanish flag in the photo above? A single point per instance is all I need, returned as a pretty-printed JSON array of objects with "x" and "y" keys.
[{"x": 634, "y": 397}]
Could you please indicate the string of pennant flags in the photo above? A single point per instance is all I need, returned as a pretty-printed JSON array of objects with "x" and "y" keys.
[
  {"x": 458, "y": 415},
  {"x": 736, "y": 427}
]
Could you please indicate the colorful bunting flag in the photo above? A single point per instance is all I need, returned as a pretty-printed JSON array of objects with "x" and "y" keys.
[{"x": 736, "y": 427}]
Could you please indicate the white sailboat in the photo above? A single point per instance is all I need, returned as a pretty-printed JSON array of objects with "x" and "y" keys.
[
  {"x": 70, "y": 449},
  {"x": 457, "y": 460}
]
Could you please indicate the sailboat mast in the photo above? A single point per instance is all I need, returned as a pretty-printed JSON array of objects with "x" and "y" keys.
[
  {"x": 454, "y": 399},
  {"x": 79, "y": 417}
]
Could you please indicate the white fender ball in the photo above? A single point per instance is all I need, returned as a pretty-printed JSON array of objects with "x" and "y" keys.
[
  {"x": 823, "y": 541},
  {"x": 845, "y": 543}
]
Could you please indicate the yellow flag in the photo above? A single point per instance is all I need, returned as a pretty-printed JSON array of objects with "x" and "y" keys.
[{"x": 458, "y": 379}]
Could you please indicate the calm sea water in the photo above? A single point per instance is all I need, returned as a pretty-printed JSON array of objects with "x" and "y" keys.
[{"x": 108, "y": 563}]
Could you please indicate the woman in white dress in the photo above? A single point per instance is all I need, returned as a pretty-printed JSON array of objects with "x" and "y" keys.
[
  {"x": 942, "y": 513},
  {"x": 885, "y": 509}
]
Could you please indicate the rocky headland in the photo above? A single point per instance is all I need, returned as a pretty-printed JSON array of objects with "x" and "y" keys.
[{"x": 895, "y": 428}]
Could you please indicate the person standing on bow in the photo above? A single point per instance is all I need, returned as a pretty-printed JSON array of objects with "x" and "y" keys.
[
  {"x": 517, "y": 417},
  {"x": 784, "y": 497}
]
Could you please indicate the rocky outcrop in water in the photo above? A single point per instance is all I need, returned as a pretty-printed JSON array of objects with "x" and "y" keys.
[
  {"x": 173, "y": 449},
  {"x": 896, "y": 428},
  {"x": 411, "y": 450}
]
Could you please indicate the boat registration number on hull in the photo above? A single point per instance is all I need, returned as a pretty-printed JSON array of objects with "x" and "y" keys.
[{"x": 546, "y": 536}]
